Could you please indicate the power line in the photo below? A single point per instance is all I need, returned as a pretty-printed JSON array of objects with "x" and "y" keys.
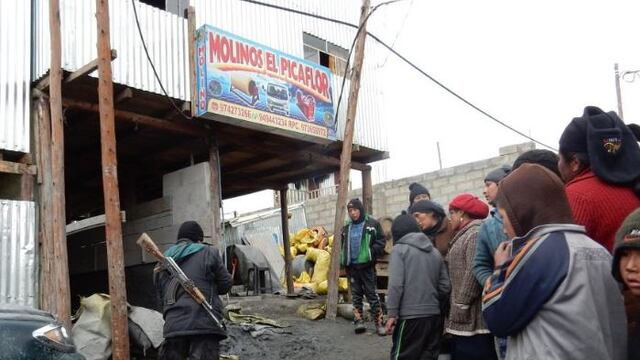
[
  {"x": 390, "y": 48},
  {"x": 155, "y": 73}
]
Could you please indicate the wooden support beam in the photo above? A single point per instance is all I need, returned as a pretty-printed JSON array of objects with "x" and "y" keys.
[
  {"x": 17, "y": 168},
  {"x": 241, "y": 165},
  {"x": 144, "y": 120},
  {"x": 61, "y": 261},
  {"x": 345, "y": 162},
  {"x": 48, "y": 296},
  {"x": 367, "y": 191},
  {"x": 215, "y": 188},
  {"x": 284, "y": 214},
  {"x": 43, "y": 84},
  {"x": 87, "y": 68},
  {"x": 113, "y": 226}
]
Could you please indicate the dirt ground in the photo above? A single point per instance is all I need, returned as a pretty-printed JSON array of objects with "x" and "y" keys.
[{"x": 317, "y": 340}]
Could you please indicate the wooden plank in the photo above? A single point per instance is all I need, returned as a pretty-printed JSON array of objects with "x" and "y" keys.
[
  {"x": 367, "y": 191},
  {"x": 91, "y": 223},
  {"x": 61, "y": 261},
  {"x": 284, "y": 215},
  {"x": 43, "y": 84},
  {"x": 45, "y": 196},
  {"x": 215, "y": 188},
  {"x": 144, "y": 120},
  {"x": 17, "y": 168},
  {"x": 345, "y": 165},
  {"x": 191, "y": 28},
  {"x": 87, "y": 68},
  {"x": 113, "y": 226}
]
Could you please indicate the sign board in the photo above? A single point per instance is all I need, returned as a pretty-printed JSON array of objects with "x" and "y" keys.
[{"x": 247, "y": 84}]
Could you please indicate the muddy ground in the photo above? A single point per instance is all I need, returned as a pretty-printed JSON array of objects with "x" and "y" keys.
[{"x": 312, "y": 340}]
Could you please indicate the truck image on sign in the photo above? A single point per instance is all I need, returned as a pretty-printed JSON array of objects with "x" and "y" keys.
[{"x": 278, "y": 98}]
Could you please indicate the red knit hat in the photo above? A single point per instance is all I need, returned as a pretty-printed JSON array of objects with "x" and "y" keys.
[{"x": 471, "y": 205}]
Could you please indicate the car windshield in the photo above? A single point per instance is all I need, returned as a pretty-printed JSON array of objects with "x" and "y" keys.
[{"x": 278, "y": 92}]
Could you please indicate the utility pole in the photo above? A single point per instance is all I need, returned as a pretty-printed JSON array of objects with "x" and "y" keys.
[
  {"x": 59, "y": 236},
  {"x": 113, "y": 226},
  {"x": 618, "y": 92},
  {"x": 345, "y": 165},
  {"x": 439, "y": 155}
]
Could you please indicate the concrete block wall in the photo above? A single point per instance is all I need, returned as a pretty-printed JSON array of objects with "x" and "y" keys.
[{"x": 390, "y": 198}]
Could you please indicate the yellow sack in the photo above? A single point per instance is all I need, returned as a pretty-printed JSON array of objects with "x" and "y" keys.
[
  {"x": 300, "y": 234},
  {"x": 322, "y": 259},
  {"x": 304, "y": 278},
  {"x": 312, "y": 311},
  {"x": 294, "y": 251},
  {"x": 323, "y": 287},
  {"x": 302, "y": 248}
]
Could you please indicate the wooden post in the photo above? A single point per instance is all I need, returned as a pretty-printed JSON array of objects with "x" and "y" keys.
[
  {"x": 618, "y": 92},
  {"x": 191, "y": 27},
  {"x": 345, "y": 165},
  {"x": 284, "y": 212},
  {"x": 60, "y": 262},
  {"x": 367, "y": 191},
  {"x": 48, "y": 296},
  {"x": 216, "y": 193},
  {"x": 113, "y": 225}
]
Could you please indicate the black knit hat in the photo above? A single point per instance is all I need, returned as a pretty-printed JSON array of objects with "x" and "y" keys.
[
  {"x": 403, "y": 225},
  {"x": 427, "y": 207},
  {"x": 543, "y": 157},
  {"x": 357, "y": 204},
  {"x": 190, "y": 230},
  {"x": 614, "y": 154},
  {"x": 416, "y": 189},
  {"x": 498, "y": 174},
  {"x": 627, "y": 237}
]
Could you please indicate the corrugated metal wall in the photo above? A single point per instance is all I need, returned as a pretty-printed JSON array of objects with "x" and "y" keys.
[
  {"x": 283, "y": 31},
  {"x": 18, "y": 253},
  {"x": 15, "y": 75},
  {"x": 165, "y": 35},
  {"x": 271, "y": 224}
]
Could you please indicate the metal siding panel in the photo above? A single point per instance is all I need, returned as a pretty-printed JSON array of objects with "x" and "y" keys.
[
  {"x": 15, "y": 75},
  {"x": 18, "y": 253}
]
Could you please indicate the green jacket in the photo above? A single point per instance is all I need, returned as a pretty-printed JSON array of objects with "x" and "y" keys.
[{"x": 371, "y": 244}]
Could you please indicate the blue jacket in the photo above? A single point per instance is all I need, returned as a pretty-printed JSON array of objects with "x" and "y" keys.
[{"x": 489, "y": 237}]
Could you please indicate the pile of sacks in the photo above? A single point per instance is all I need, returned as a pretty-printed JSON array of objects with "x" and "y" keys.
[{"x": 311, "y": 249}]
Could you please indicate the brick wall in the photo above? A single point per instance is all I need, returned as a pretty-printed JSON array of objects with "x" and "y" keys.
[{"x": 390, "y": 198}]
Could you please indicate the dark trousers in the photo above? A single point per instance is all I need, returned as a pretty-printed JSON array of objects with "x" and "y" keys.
[
  {"x": 477, "y": 347},
  {"x": 193, "y": 347},
  {"x": 363, "y": 283},
  {"x": 417, "y": 339}
]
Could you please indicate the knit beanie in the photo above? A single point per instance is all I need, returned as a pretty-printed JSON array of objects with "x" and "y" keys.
[
  {"x": 190, "y": 230},
  {"x": 614, "y": 154},
  {"x": 498, "y": 174},
  {"x": 429, "y": 207},
  {"x": 402, "y": 225},
  {"x": 416, "y": 189},
  {"x": 543, "y": 202},
  {"x": 357, "y": 204},
  {"x": 627, "y": 237},
  {"x": 635, "y": 129},
  {"x": 546, "y": 158},
  {"x": 471, "y": 205}
]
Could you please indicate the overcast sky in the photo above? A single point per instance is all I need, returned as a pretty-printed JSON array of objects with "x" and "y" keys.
[{"x": 532, "y": 64}]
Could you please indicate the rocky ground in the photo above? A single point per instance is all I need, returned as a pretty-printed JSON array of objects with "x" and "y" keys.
[{"x": 317, "y": 340}]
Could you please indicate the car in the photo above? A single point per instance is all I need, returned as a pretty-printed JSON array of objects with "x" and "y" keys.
[{"x": 27, "y": 333}]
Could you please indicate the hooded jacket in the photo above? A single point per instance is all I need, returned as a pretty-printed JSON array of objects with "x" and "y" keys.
[
  {"x": 491, "y": 234},
  {"x": 555, "y": 297},
  {"x": 418, "y": 279},
  {"x": 371, "y": 244},
  {"x": 203, "y": 265}
]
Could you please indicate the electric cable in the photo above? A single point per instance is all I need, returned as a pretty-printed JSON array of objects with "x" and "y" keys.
[
  {"x": 155, "y": 73},
  {"x": 401, "y": 57}
]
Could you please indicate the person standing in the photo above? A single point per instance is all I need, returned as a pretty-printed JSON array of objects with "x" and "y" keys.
[
  {"x": 418, "y": 283},
  {"x": 189, "y": 332},
  {"x": 600, "y": 165},
  {"x": 363, "y": 241},
  {"x": 626, "y": 269},
  {"x": 552, "y": 294},
  {"x": 471, "y": 337}
]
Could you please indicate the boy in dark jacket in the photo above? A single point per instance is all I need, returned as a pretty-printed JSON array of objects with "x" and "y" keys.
[
  {"x": 362, "y": 242},
  {"x": 188, "y": 331},
  {"x": 418, "y": 284}
]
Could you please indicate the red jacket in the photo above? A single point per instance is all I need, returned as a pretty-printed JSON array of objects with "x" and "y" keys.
[{"x": 599, "y": 206}]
